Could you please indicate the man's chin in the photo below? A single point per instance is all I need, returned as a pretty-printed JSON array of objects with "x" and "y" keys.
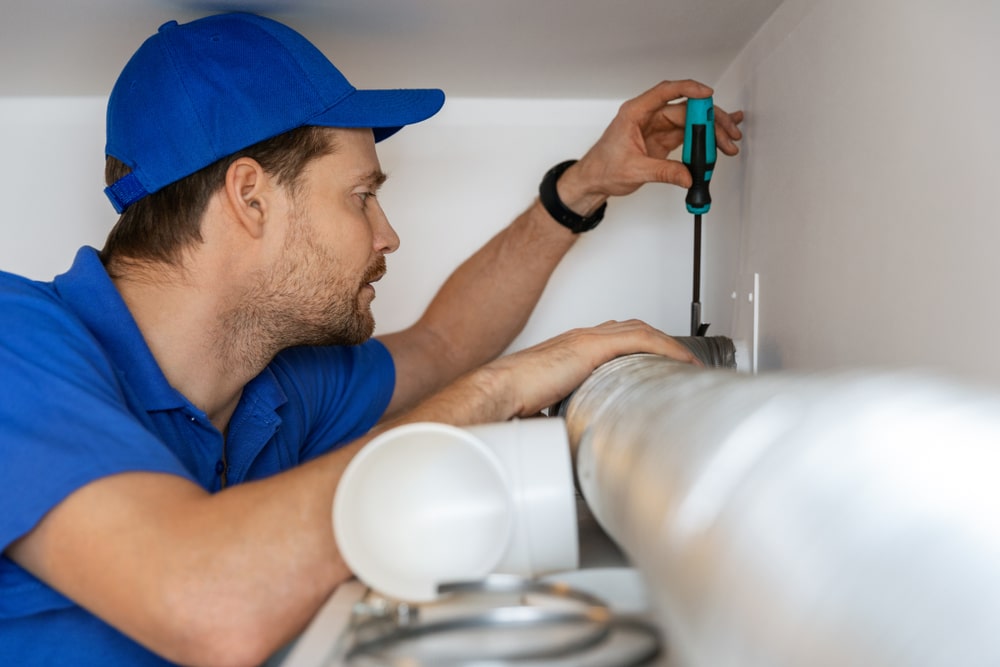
[{"x": 360, "y": 333}]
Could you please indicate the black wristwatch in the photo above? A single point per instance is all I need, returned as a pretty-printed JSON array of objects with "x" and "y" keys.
[{"x": 560, "y": 212}]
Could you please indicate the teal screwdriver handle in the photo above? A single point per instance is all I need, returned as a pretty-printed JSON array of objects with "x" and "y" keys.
[{"x": 699, "y": 152}]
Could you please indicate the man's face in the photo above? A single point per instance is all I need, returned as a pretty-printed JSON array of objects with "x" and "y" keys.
[{"x": 320, "y": 286}]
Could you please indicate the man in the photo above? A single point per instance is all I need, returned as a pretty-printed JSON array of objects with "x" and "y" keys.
[{"x": 177, "y": 410}]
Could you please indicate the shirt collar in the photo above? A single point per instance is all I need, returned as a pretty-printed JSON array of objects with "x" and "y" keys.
[{"x": 88, "y": 291}]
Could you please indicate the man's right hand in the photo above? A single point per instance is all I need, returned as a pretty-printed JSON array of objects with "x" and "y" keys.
[
  {"x": 544, "y": 374},
  {"x": 524, "y": 383}
]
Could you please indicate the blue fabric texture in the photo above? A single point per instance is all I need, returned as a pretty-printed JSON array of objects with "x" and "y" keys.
[
  {"x": 82, "y": 397},
  {"x": 194, "y": 93}
]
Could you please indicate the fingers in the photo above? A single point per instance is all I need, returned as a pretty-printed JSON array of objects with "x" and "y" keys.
[
  {"x": 669, "y": 133},
  {"x": 657, "y": 97},
  {"x": 648, "y": 339},
  {"x": 727, "y": 132},
  {"x": 635, "y": 147},
  {"x": 616, "y": 338},
  {"x": 547, "y": 372},
  {"x": 666, "y": 118}
]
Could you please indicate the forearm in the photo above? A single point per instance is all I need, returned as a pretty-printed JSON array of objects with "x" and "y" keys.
[
  {"x": 228, "y": 578},
  {"x": 216, "y": 578},
  {"x": 245, "y": 569},
  {"x": 199, "y": 578},
  {"x": 268, "y": 557},
  {"x": 524, "y": 383},
  {"x": 493, "y": 293},
  {"x": 487, "y": 301}
]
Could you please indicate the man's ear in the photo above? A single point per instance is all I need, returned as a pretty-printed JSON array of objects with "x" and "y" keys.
[{"x": 248, "y": 192}]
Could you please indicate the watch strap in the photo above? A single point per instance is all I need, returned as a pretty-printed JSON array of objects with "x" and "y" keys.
[{"x": 562, "y": 214}]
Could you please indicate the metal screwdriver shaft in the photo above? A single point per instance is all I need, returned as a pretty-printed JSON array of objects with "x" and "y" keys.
[
  {"x": 699, "y": 156},
  {"x": 697, "y": 329}
]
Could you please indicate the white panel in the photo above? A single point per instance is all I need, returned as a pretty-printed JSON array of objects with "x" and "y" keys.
[{"x": 867, "y": 194}]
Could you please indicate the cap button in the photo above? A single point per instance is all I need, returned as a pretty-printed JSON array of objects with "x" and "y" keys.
[{"x": 168, "y": 24}]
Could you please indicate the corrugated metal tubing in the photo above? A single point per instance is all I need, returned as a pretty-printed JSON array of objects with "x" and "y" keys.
[{"x": 837, "y": 519}]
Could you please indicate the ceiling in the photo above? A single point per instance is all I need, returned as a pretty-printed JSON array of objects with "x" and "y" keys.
[{"x": 470, "y": 48}]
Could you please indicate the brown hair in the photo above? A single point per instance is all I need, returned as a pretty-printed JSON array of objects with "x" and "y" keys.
[{"x": 159, "y": 226}]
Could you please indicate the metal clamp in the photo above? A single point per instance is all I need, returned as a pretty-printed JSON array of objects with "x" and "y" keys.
[{"x": 375, "y": 636}]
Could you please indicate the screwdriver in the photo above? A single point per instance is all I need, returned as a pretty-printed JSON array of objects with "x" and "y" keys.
[{"x": 699, "y": 156}]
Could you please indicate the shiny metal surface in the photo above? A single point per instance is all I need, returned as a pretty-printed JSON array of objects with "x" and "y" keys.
[
  {"x": 516, "y": 628},
  {"x": 713, "y": 351},
  {"x": 839, "y": 519}
]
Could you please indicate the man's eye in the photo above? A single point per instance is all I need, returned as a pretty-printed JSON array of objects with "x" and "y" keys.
[{"x": 365, "y": 195}]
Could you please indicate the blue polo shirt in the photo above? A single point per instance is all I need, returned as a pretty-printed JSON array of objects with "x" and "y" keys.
[{"x": 81, "y": 397}]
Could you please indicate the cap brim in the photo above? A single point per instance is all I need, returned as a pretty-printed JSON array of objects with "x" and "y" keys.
[{"x": 385, "y": 111}]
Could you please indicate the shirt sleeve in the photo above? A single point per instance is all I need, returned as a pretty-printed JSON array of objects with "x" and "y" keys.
[
  {"x": 336, "y": 394},
  {"x": 65, "y": 419}
]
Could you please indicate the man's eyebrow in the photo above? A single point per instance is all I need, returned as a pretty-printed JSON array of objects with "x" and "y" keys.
[{"x": 375, "y": 178}]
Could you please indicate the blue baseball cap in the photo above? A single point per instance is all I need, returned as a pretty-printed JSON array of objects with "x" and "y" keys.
[{"x": 196, "y": 92}]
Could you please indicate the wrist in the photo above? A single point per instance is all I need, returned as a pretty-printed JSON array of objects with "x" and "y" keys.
[
  {"x": 574, "y": 193},
  {"x": 491, "y": 383},
  {"x": 479, "y": 396},
  {"x": 563, "y": 198}
]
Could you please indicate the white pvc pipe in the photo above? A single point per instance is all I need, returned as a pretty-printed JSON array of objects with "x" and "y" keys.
[{"x": 838, "y": 519}]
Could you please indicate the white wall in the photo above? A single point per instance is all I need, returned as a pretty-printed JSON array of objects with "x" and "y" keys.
[
  {"x": 864, "y": 198},
  {"x": 867, "y": 196},
  {"x": 51, "y": 181},
  {"x": 454, "y": 181},
  {"x": 460, "y": 177}
]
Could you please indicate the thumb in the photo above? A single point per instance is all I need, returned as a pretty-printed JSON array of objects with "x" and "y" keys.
[{"x": 669, "y": 171}]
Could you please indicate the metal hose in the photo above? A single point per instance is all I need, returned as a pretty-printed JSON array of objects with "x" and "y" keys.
[
  {"x": 713, "y": 351},
  {"x": 839, "y": 519}
]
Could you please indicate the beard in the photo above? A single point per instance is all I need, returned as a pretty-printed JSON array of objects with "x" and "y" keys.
[{"x": 304, "y": 299}]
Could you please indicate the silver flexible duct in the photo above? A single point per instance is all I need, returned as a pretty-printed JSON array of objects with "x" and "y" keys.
[
  {"x": 844, "y": 519},
  {"x": 713, "y": 351}
]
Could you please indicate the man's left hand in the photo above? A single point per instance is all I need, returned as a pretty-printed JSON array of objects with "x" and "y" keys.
[{"x": 633, "y": 149}]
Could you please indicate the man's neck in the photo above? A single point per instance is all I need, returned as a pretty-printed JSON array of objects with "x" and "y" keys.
[{"x": 181, "y": 313}]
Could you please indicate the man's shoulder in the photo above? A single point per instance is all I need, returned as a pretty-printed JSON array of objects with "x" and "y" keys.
[
  {"x": 336, "y": 376},
  {"x": 34, "y": 309},
  {"x": 332, "y": 394},
  {"x": 336, "y": 358},
  {"x": 42, "y": 337},
  {"x": 14, "y": 286}
]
